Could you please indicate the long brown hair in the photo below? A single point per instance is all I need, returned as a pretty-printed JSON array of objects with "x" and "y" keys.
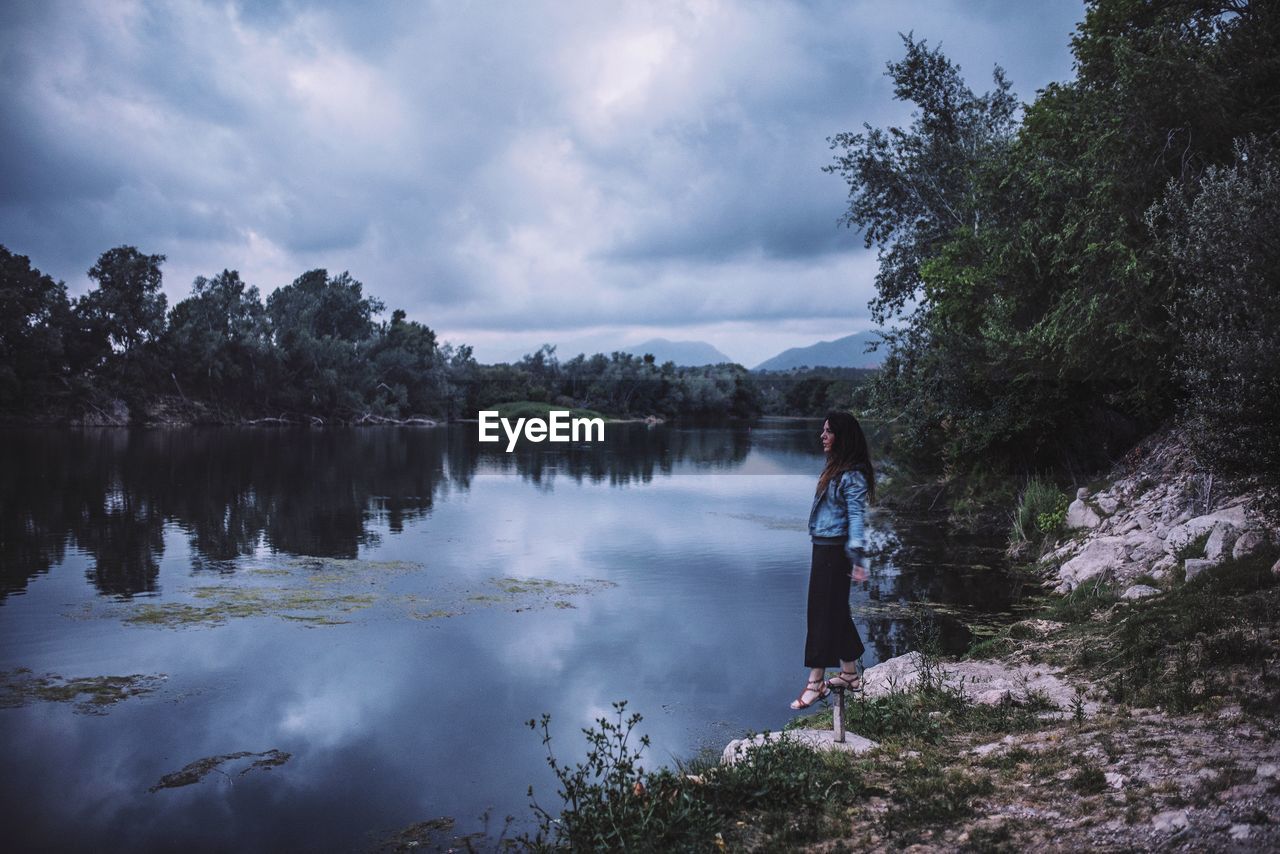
[{"x": 848, "y": 453}]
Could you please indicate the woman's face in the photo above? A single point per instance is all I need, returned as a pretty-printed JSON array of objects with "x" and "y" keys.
[{"x": 828, "y": 438}]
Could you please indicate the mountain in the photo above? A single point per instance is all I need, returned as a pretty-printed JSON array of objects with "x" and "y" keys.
[
  {"x": 846, "y": 352},
  {"x": 690, "y": 353}
]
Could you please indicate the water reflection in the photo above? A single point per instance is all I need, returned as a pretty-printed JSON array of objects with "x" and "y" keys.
[
  {"x": 300, "y": 491},
  {"x": 700, "y": 531}
]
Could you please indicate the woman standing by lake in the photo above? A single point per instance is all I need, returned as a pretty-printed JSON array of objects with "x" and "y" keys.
[{"x": 836, "y": 530}]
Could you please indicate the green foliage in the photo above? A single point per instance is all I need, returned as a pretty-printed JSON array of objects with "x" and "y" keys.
[
  {"x": 1041, "y": 511},
  {"x": 1220, "y": 239},
  {"x": 121, "y": 321},
  {"x": 789, "y": 793},
  {"x": 929, "y": 794},
  {"x": 323, "y": 328},
  {"x": 35, "y": 316},
  {"x": 1213, "y": 636},
  {"x": 1083, "y": 601},
  {"x": 1035, "y": 315},
  {"x": 218, "y": 340}
]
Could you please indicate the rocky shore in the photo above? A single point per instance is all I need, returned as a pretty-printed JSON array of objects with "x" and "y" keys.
[
  {"x": 1157, "y": 521},
  {"x": 1138, "y": 710}
]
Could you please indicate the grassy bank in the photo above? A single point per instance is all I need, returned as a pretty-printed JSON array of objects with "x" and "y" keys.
[{"x": 1187, "y": 690}]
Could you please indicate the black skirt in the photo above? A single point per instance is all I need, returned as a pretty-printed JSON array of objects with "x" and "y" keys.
[{"x": 832, "y": 637}]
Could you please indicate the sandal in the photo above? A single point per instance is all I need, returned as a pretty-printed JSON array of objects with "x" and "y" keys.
[
  {"x": 816, "y": 686},
  {"x": 845, "y": 681}
]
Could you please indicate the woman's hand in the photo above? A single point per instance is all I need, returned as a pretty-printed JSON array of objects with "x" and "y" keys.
[{"x": 859, "y": 573}]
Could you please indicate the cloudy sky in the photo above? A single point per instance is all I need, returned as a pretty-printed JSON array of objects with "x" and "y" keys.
[{"x": 590, "y": 174}]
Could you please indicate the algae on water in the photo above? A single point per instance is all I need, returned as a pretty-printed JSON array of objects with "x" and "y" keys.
[
  {"x": 194, "y": 772},
  {"x": 227, "y": 602},
  {"x": 89, "y": 695}
]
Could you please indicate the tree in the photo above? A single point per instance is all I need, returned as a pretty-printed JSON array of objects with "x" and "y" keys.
[
  {"x": 128, "y": 309},
  {"x": 1036, "y": 322},
  {"x": 406, "y": 362},
  {"x": 218, "y": 339},
  {"x": 121, "y": 321},
  {"x": 34, "y": 317},
  {"x": 323, "y": 327},
  {"x": 1221, "y": 237},
  {"x": 911, "y": 190}
]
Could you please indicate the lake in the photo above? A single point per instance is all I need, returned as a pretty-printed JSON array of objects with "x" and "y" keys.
[{"x": 350, "y": 627}]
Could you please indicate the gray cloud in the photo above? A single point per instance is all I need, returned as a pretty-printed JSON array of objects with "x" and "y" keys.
[{"x": 494, "y": 169}]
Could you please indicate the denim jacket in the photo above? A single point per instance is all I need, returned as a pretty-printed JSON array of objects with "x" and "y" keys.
[{"x": 837, "y": 511}]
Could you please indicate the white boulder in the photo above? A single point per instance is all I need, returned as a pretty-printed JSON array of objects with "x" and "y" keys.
[
  {"x": 1098, "y": 558},
  {"x": 1186, "y": 533},
  {"x": 1220, "y": 541},
  {"x": 1247, "y": 543},
  {"x": 1195, "y": 566},
  {"x": 1081, "y": 515}
]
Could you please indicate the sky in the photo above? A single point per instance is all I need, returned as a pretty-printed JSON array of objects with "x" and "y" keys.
[{"x": 586, "y": 174}]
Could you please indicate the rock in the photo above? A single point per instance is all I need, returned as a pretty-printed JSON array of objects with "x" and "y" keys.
[
  {"x": 987, "y": 749},
  {"x": 1163, "y": 566},
  {"x": 1106, "y": 503},
  {"x": 980, "y": 681},
  {"x": 994, "y": 697},
  {"x": 1275, "y": 568},
  {"x": 1144, "y": 547},
  {"x": 1241, "y": 832},
  {"x": 1060, "y": 552},
  {"x": 1131, "y": 525},
  {"x": 1269, "y": 771},
  {"x": 1221, "y": 539},
  {"x": 1144, "y": 522},
  {"x": 1171, "y": 820},
  {"x": 1139, "y": 591},
  {"x": 815, "y": 739},
  {"x": 1247, "y": 543},
  {"x": 900, "y": 673},
  {"x": 1081, "y": 515},
  {"x": 1195, "y": 566},
  {"x": 1096, "y": 559},
  {"x": 1082, "y": 493},
  {"x": 1187, "y": 532},
  {"x": 1115, "y": 779}
]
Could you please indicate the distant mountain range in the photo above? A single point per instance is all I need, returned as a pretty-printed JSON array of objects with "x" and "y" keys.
[
  {"x": 690, "y": 353},
  {"x": 846, "y": 352}
]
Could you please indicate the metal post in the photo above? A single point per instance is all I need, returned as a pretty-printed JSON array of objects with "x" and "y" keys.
[{"x": 837, "y": 718}]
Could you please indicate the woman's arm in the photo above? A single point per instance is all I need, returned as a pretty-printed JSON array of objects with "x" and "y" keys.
[{"x": 853, "y": 489}]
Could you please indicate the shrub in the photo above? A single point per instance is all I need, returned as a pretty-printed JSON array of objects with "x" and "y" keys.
[
  {"x": 1041, "y": 511},
  {"x": 1219, "y": 237}
]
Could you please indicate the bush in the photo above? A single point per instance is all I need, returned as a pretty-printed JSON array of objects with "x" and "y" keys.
[
  {"x": 1041, "y": 511},
  {"x": 611, "y": 803},
  {"x": 1220, "y": 241}
]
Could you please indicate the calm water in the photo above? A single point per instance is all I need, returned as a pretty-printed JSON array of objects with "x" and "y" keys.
[{"x": 396, "y": 667}]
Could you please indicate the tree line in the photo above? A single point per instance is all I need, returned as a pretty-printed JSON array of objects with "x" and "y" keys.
[
  {"x": 315, "y": 349},
  {"x": 1066, "y": 275}
]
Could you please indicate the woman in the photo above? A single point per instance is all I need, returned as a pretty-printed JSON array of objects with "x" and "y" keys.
[{"x": 835, "y": 528}]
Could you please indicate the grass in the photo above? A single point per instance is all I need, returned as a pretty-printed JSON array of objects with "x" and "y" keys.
[
  {"x": 778, "y": 796},
  {"x": 930, "y": 793},
  {"x": 1041, "y": 512},
  {"x": 1212, "y": 638}
]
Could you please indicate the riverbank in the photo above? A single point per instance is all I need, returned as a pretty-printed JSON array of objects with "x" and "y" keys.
[
  {"x": 1137, "y": 708},
  {"x": 1104, "y": 723}
]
